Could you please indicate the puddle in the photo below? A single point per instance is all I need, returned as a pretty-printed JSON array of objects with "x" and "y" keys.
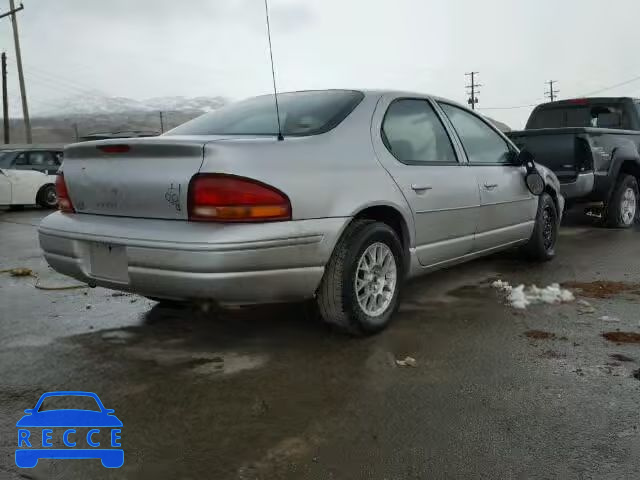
[
  {"x": 469, "y": 291},
  {"x": 229, "y": 364},
  {"x": 118, "y": 336},
  {"x": 603, "y": 288},
  {"x": 620, "y": 357},
  {"x": 539, "y": 335},
  {"x": 622, "y": 337}
]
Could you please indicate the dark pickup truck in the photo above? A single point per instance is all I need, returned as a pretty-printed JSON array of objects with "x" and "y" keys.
[{"x": 592, "y": 145}]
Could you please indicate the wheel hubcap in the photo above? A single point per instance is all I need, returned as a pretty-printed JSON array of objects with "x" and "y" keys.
[
  {"x": 375, "y": 281},
  {"x": 548, "y": 231},
  {"x": 51, "y": 197},
  {"x": 629, "y": 206}
]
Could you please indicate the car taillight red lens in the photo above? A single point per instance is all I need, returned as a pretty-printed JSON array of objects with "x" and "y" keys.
[
  {"x": 64, "y": 202},
  {"x": 227, "y": 198}
]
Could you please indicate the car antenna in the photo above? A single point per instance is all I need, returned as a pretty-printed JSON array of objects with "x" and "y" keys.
[{"x": 273, "y": 72}]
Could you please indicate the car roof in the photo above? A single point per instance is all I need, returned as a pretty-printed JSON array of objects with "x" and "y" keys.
[{"x": 379, "y": 92}]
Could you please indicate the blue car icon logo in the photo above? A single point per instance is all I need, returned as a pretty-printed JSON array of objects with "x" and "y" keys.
[{"x": 69, "y": 433}]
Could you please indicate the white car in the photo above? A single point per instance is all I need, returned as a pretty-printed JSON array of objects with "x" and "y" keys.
[{"x": 28, "y": 177}]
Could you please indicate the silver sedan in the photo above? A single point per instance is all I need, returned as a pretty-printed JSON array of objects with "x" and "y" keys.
[{"x": 344, "y": 198}]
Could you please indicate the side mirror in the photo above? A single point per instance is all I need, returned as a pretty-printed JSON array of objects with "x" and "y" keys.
[
  {"x": 533, "y": 179},
  {"x": 109, "y": 411},
  {"x": 535, "y": 183},
  {"x": 29, "y": 411}
]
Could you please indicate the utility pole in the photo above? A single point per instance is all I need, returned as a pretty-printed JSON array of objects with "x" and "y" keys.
[
  {"x": 161, "y": 123},
  {"x": 551, "y": 94},
  {"x": 472, "y": 90},
  {"x": 23, "y": 92},
  {"x": 5, "y": 99},
  {"x": 75, "y": 129}
]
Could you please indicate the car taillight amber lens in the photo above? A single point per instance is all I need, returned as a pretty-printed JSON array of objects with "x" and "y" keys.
[
  {"x": 227, "y": 198},
  {"x": 64, "y": 202}
]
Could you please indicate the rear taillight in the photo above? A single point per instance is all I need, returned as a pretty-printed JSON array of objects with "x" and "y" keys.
[
  {"x": 583, "y": 155},
  {"x": 64, "y": 202},
  {"x": 227, "y": 198}
]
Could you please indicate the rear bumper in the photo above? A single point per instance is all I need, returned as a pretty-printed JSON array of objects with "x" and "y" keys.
[
  {"x": 581, "y": 187},
  {"x": 228, "y": 263}
]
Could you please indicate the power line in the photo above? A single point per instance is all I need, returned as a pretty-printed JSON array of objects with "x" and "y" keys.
[
  {"x": 510, "y": 108},
  {"x": 634, "y": 79},
  {"x": 49, "y": 77}
]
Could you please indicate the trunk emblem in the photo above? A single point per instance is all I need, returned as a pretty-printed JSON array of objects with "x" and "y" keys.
[{"x": 173, "y": 197}]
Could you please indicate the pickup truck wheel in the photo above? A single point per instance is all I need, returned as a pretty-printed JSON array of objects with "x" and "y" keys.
[
  {"x": 47, "y": 197},
  {"x": 360, "y": 289},
  {"x": 542, "y": 245},
  {"x": 622, "y": 209}
]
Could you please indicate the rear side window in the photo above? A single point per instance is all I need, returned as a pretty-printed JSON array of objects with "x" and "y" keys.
[
  {"x": 301, "y": 113},
  {"x": 413, "y": 133},
  {"x": 481, "y": 143},
  {"x": 40, "y": 159},
  {"x": 595, "y": 115}
]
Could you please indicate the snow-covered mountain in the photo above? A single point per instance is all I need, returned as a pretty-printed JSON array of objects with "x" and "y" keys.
[{"x": 99, "y": 104}]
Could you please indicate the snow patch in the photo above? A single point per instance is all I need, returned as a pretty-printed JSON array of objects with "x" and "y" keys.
[{"x": 521, "y": 297}]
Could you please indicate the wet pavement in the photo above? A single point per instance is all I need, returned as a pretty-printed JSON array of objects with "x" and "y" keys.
[{"x": 271, "y": 393}]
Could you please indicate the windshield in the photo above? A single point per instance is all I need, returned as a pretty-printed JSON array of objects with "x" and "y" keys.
[
  {"x": 301, "y": 113},
  {"x": 69, "y": 402}
]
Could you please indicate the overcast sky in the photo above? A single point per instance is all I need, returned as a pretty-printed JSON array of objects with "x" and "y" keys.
[{"x": 149, "y": 48}]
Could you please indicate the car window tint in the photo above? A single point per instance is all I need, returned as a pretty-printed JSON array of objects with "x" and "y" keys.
[
  {"x": 21, "y": 159},
  {"x": 66, "y": 402},
  {"x": 482, "y": 144},
  {"x": 413, "y": 133}
]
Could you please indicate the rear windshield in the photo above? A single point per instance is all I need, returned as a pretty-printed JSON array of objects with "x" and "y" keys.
[
  {"x": 600, "y": 115},
  {"x": 301, "y": 113}
]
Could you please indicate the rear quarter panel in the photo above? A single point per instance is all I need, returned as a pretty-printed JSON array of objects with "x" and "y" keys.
[{"x": 335, "y": 174}]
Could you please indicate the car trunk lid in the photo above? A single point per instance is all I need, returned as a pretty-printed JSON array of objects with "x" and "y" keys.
[{"x": 141, "y": 177}]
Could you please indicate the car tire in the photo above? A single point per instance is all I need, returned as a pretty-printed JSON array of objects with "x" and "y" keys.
[
  {"x": 542, "y": 244},
  {"x": 621, "y": 210},
  {"x": 47, "y": 197},
  {"x": 370, "y": 255}
]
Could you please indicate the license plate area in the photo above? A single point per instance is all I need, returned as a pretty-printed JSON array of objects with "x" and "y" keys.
[{"x": 109, "y": 262}]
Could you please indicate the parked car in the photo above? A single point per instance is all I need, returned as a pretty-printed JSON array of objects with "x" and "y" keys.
[
  {"x": 28, "y": 176},
  {"x": 592, "y": 146},
  {"x": 362, "y": 190}
]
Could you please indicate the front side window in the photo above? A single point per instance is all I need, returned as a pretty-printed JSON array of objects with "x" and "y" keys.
[
  {"x": 414, "y": 134},
  {"x": 301, "y": 113},
  {"x": 481, "y": 143}
]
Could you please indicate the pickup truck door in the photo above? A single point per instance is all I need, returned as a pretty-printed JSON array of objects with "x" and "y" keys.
[
  {"x": 414, "y": 146},
  {"x": 508, "y": 208}
]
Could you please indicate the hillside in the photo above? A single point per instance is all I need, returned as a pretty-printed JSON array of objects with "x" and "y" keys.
[{"x": 92, "y": 113}]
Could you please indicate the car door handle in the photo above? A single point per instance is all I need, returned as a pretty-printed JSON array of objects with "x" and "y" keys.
[
  {"x": 490, "y": 186},
  {"x": 420, "y": 188}
]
